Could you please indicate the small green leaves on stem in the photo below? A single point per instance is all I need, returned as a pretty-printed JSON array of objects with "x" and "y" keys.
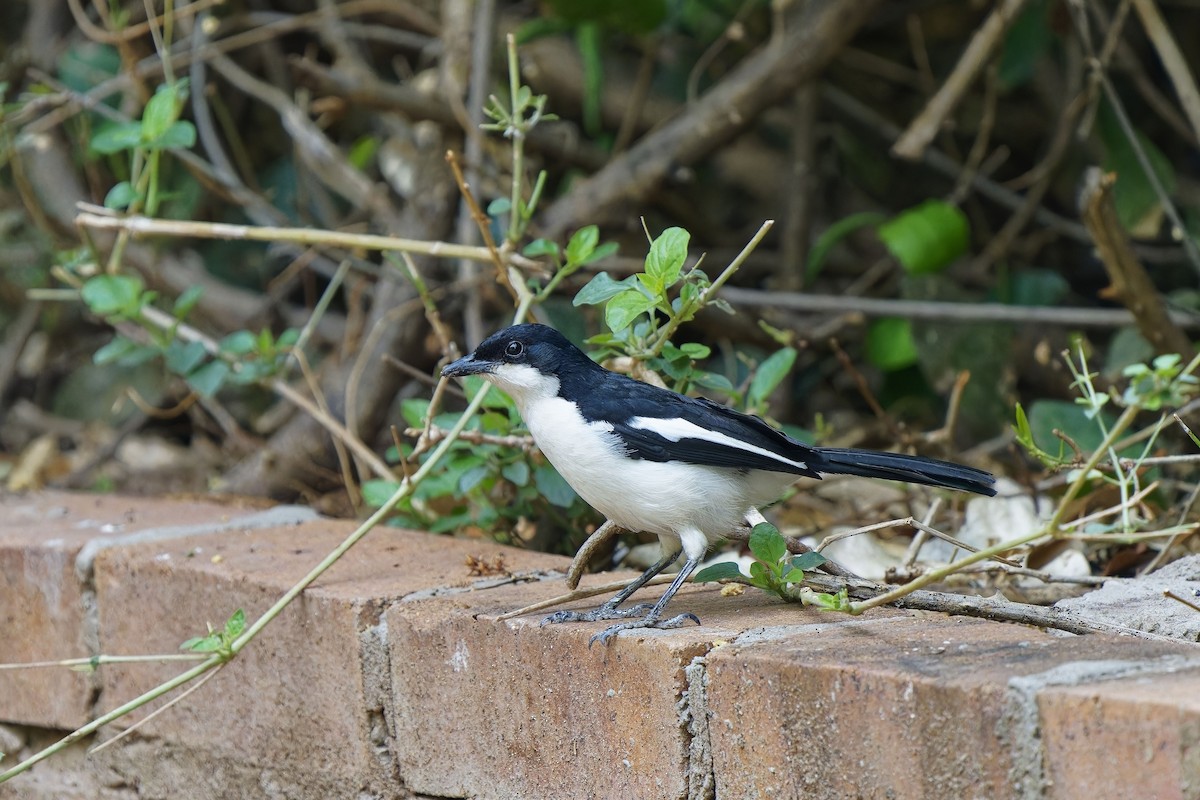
[
  {"x": 643, "y": 311},
  {"x": 770, "y": 373},
  {"x": 159, "y": 128},
  {"x": 242, "y": 357},
  {"x": 582, "y": 249},
  {"x": 514, "y": 121},
  {"x": 1162, "y": 383},
  {"x": 774, "y": 572},
  {"x": 116, "y": 297},
  {"x": 219, "y": 642},
  {"x": 645, "y": 292},
  {"x": 1024, "y": 435}
]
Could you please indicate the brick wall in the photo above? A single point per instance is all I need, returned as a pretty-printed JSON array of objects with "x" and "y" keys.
[{"x": 391, "y": 677}]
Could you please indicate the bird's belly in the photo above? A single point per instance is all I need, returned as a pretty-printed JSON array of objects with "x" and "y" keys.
[{"x": 663, "y": 498}]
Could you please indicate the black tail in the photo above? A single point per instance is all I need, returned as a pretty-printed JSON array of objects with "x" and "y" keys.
[{"x": 899, "y": 467}]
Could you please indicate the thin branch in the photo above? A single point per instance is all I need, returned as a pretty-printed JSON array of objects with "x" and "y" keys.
[
  {"x": 945, "y": 312},
  {"x": 169, "y": 704},
  {"x": 435, "y": 434},
  {"x": 145, "y": 226},
  {"x": 911, "y": 145},
  {"x": 1172, "y": 59}
]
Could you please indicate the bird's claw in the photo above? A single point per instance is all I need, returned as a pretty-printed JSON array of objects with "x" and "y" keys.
[{"x": 646, "y": 622}]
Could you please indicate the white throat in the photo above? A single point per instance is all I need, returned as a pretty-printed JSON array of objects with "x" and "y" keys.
[{"x": 524, "y": 384}]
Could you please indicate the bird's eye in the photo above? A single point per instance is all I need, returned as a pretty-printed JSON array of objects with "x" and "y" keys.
[{"x": 514, "y": 350}]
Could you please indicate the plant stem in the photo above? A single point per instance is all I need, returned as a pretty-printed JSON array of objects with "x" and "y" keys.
[
  {"x": 516, "y": 131},
  {"x": 146, "y": 226},
  {"x": 95, "y": 661},
  {"x": 115, "y": 714},
  {"x": 1051, "y": 528}
]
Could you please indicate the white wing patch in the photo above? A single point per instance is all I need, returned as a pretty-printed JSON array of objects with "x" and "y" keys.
[{"x": 676, "y": 429}]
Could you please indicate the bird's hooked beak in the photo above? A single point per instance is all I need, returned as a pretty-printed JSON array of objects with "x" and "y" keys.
[{"x": 468, "y": 365}]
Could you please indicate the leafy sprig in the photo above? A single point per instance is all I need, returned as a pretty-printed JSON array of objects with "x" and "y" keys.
[{"x": 775, "y": 572}]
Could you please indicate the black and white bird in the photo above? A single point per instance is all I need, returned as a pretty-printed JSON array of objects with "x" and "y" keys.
[{"x": 653, "y": 460}]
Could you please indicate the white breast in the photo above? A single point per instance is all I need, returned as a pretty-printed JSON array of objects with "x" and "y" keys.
[{"x": 664, "y": 498}]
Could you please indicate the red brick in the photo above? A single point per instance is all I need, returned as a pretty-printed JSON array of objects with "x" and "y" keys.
[
  {"x": 511, "y": 709},
  {"x": 1136, "y": 737},
  {"x": 301, "y": 708},
  {"x": 909, "y": 708},
  {"x": 44, "y": 606}
]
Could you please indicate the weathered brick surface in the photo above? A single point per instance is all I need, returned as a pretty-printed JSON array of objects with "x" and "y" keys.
[
  {"x": 511, "y": 709},
  {"x": 908, "y": 708},
  {"x": 1133, "y": 737},
  {"x": 392, "y": 677},
  {"x": 310, "y": 690},
  {"x": 46, "y": 545}
]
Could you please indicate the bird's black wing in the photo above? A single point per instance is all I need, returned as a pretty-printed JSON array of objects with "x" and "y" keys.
[{"x": 659, "y": 425}]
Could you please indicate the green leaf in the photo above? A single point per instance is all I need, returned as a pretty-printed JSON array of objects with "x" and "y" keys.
[
  {"x": 472, "y": 478},
  {"x": 809, "y": 561},
  {"x": 183, "y": 357},
  {"x": 601, "y": 288},
  {"x": 1047, "y": 415},
  {"x": 162, "y": 110},
  {"x": 107, "y": 295},
  {"x": 1035, "y": 287},
  {"x": 928, "y": 238},
  {"x": 187, "y": 301},
  {"x": 667, "y": 255},
  {"x": 116, "y": 138},
  {"x": 517, "y": 472},
  {"x": 208, "y": 379},
  {"x": 624, "y": 308},
  {"x": 695, "y": 351},
  {"x": 120, "y": 196},
  {"x": 834, "y": 234},
  {"x": 414, "y": 409},
  {"x": 890, "y": 344},
  {"x": 235, "y": 625},
  {"x": 582, "y": 244},
  {"x": 603, "y": 251},
  {"x": 793, "y": 576},
  {"x": 1028, "y": 39},
  {"x": 767, "y": 543},
  {"x": 831, "y": 602},
  {"x": 650, "y": 285},
  {"x": 540, "y": 247},
  {"x": 499, "y": 206},
  {"x": 713, "y": 380},
  {"x": 770, "y": 374},
  {"x": 115, "y": 350},
  {"x": 721, "y": 571},
  {"x": 203, "y": 644},
  {"x": 239, "y": 343},
  {"x": 376, "y": 491},
  {"x": 553, "y": 487},
  {"x": 1139, "y": 208},
  {"x": 180, "y": 136}
]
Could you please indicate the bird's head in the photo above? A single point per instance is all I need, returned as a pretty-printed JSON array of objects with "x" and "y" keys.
[{"x": 526, "y": 361}]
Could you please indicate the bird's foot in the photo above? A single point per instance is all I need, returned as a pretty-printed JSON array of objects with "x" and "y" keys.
[
  {"x": 605, "y": 611},
  {"x": 649, "y": 621}
]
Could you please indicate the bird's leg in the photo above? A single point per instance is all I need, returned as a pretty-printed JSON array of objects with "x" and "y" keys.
[
  {"x": 610, "y": 609},
  {"x": 653, "y": 618}
]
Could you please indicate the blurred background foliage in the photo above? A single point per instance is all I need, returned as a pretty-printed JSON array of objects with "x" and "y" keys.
[{"x": 878, "y": 282}]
